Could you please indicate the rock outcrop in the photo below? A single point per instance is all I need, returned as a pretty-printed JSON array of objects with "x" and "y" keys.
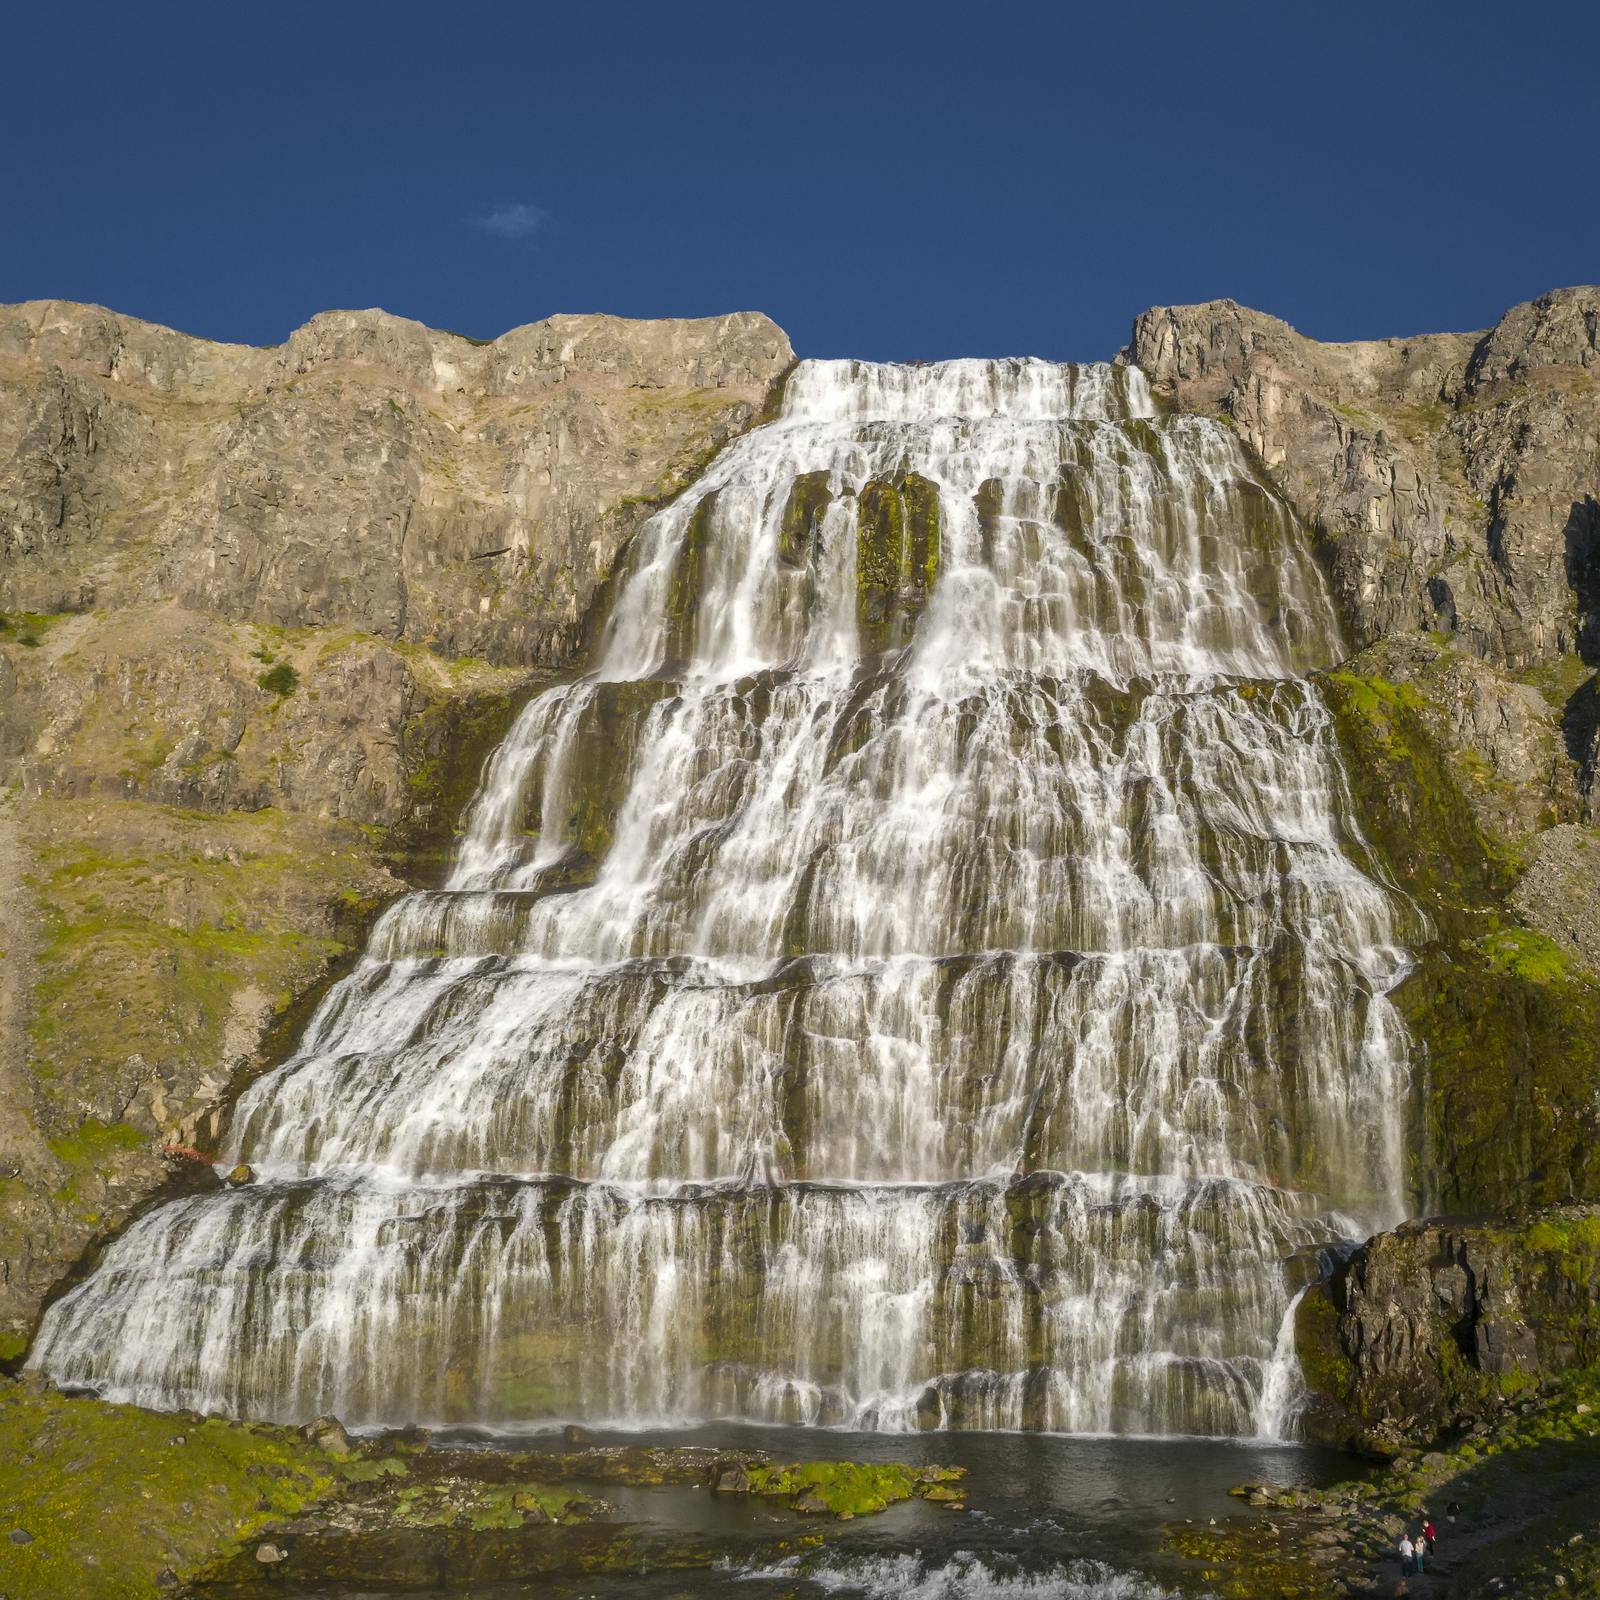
[
  {"x": 1454, "y": 477},
  {"x": 1460, "y": 782},
  {"x": 370, "y": 473},
  {"x": 262, "y": 614},
  {"x": 1453, "y": 482},
  {"x": 1442, "y": 1322}
]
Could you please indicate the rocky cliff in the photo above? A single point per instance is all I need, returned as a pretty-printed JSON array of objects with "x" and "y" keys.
[
  {"x": 370, "y": 473},
  {"x": 1443, "y": 1322},
  {"x": 261, "y": 614},
  {"x": 1453, "y": 477},
  {"x": 262, "y": 610},
  {"x": 1453, "y": 481}
]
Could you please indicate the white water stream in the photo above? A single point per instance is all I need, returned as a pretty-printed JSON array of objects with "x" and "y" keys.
[{"x": 924, "y": 975}]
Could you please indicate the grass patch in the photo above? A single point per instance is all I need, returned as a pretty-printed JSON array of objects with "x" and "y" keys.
[
  {"x": 117, "y": 1507},
  {"x": 94, "y": 1141},
  {"x": 1522, "y": 953},
  {"x": 280, "y": 680}
]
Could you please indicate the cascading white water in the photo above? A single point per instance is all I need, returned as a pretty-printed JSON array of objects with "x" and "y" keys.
[{"x": 924, "y": 975}]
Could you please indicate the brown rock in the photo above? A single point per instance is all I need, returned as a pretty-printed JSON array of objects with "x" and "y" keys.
[
  {"x": 1455, "y": 477},
  {"x": 371, "y": 473},
  {"x": 180, "y": 765},
  {"x": 328, "y": 1435}
]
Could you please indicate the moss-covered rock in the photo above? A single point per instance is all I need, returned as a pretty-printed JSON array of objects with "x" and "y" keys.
[
  {"x": 1505, "y": 1019},
  {"x": 809, "y": 498},
  {"x": 1440, "y": 1321},
  {"x": 121, "y": 1503},
  {"x": 601, "y": 770},
  {"x": 686, "y": 582},
  {"x": 846, "y": 1489},
  {"x": 898, "y": 551},
  {"x": 1505, "y": 1099},
  {"x": 1409, "y": 800}
]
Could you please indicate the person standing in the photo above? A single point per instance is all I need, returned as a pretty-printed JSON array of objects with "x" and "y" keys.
[
  {"x": 1429, "y": 1536},
  {"x": 1408, "y": 1556},
  {"x": 1421, "y": 1553}
]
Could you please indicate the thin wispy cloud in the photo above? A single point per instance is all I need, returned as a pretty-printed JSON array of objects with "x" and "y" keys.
[{"x": 516, "y": 220}]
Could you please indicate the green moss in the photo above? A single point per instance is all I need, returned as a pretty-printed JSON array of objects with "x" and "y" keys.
[
  {"x": 1585, "y": 1235},
  {"x": 95, "y": 1140},
  {"x": 1507, "y": 1030},
  {"x": 28, "y": 627},
  {"x": 1510, "y": 1057},
  {"x": 851, "y": 1488},
  {"x": 602, "y": 765},
  {"x": 279, "y": 680},
  {"x": 1413, "y": 808},
  {"x": 1323, "y": 1363},
  {"x": 898, "y": 551},
  {"x": 120, "y": 974},
  {"x": 1544, "y": 1236},
  {"x": 87, "y": 1153},
  {"x": 808, "y": 502},
  {"x": 111, "y": 1498},
  {"x": 447, "y": 745},
  {"x": 1247, "y": 1559},
  {"x": 685, "y": 582},
  {"x": 1525, "y": 954}
]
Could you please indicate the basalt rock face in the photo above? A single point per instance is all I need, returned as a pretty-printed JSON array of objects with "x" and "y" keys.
[
  {"x": 262, "y": 615},
  {"x": 1460, "y": 783},
  {"x": 1455, "y": 477},
  {"x": 370, "y": 473},
  {"x": 1452, "y": 480},
  {"x": 1442, "y": 1321}
]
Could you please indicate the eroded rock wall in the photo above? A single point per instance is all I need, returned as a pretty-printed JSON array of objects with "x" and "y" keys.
[
  {"x": 369, "y": 473},
  {"x": 1443, "y": 1322},
  {"x": 1454, "y": 477},
  {"x": 262, "y": 615}
]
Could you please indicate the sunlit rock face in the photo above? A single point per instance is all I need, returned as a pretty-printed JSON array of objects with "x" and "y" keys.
[{"x": 925, "y": 974}]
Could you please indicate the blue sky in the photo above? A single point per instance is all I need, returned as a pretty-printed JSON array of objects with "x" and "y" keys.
[{"x": 886, "y": 180}]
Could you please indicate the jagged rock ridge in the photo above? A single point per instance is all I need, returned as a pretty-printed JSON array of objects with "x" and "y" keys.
[
  {"x": 1456, "y": 477},
  {"x": 368, "y": 473}
]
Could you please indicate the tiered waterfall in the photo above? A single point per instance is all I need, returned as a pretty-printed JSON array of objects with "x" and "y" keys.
[{"x": 926, "y": 974}]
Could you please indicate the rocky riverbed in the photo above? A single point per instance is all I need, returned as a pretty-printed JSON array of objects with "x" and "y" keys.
[
  {"x": 116, "y": 1501},
  {"x": 1515, "y": 1500}
]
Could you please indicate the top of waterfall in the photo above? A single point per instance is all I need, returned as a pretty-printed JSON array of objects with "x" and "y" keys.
[{"x": 1022, "y": 389}]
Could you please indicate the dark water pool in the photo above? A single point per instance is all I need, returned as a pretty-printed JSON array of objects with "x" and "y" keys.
[{"x": 1048, "y": 1516}]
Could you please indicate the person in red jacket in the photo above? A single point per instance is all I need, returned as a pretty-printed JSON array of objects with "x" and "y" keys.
[{"x": 1428, "y": 1536}]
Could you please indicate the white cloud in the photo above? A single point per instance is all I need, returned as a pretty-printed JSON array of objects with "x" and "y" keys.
[{"x": 516, "y": 219}]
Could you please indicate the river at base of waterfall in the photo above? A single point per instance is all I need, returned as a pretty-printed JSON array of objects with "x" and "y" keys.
[{"x": 1049, "y": 1517}]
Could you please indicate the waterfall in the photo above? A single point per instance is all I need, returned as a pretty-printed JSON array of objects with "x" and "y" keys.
[{"x": 925, "y": 974}]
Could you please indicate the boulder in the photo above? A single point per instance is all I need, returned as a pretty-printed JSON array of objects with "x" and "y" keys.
[{"x": 327, "y": 1434}]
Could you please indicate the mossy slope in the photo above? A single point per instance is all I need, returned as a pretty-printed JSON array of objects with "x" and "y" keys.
[
  {"x": 119, "y": 1502},
  {"x": 1507, "y": 1023}
]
